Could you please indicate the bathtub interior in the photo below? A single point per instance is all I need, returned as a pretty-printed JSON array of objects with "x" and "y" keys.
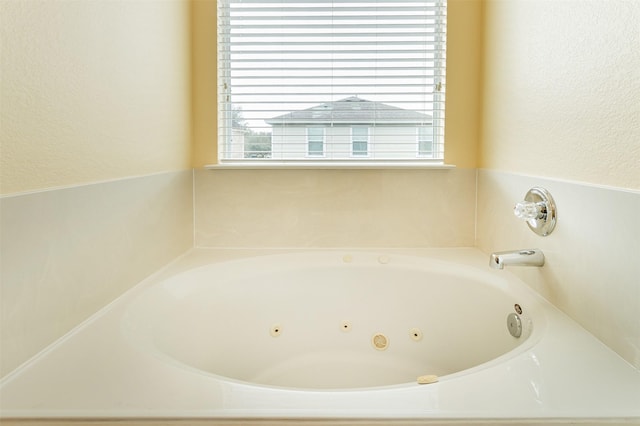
[{"x": 328, "y": 320}]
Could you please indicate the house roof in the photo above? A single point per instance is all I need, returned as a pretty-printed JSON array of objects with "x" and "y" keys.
[{"x": 352, "y": 110}]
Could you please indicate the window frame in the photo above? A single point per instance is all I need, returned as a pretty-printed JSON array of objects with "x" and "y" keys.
[{"x": 426, "y": 158}]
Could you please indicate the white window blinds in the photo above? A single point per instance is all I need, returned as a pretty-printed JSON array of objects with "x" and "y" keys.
[{"x": 287, "y": 66}]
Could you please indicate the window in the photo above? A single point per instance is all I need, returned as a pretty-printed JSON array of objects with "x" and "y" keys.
[
  {"x": 296, "y": 75},
  {"x": 315, "y": 141},
  {"x": 425, "y": 141},
  {"x": 359, "y": 140}
]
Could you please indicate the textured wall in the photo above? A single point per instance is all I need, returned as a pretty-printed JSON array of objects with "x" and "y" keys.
[
  {"x": 92, "y": 90},
  {"x": 562, "y": 89}
]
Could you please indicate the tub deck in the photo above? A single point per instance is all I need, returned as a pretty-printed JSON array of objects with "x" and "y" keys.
[{"x": 94, "y": 374}]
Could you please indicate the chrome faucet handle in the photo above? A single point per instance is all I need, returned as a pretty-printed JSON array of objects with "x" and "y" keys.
[
  {"x": 529, "y": 210},
  {"x": 539, "y": 210}
]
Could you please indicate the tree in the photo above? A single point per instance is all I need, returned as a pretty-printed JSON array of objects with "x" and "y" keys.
[
  {"x": 257, "y": 144},
  {"x": 237, "y": 119}
]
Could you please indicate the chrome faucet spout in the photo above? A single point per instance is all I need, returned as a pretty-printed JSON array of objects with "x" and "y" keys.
[{"x": 525, "y": 257}]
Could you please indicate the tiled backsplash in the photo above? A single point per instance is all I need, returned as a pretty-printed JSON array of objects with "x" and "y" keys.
[
  {"x": 592, "y": 269},
  {"x": 335, "y": 208},
  {"x": 68, "y": 252}
]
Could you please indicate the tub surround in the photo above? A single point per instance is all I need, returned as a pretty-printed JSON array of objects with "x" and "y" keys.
[
  {"x": 591, "y": 271},
  {"x": 68, "y": 252},
  {"x": 566, "y": 376},
  {"x": 334, "y": 208},
  {"x": 591, "y": 267}
]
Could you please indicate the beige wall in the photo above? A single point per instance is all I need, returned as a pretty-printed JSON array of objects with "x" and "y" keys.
[
  {"x": 92, "y": 91},
  {"x": 464, "y": 78},
  {"x": 562, "y": 90},
  {"x": 204, "y": 74},
  {"x": 463, "y": 82}
]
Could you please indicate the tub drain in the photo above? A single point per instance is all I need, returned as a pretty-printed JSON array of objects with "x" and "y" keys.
[
  {"x": 514, "y": 325},
  {"x": 380, "y": 341}
]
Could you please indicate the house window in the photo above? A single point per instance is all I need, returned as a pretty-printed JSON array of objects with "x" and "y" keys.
[
  {"x": 315, "y": 141},
  {"x": 288, "y": 68},
  {"x": 359, "y": 141},
  {"x": 425, "y": 141}
]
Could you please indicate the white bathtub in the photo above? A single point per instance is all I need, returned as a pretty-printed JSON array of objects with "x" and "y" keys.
[
  {"x": 329, "y": 320},
  {"x": 328, "y": 336}
]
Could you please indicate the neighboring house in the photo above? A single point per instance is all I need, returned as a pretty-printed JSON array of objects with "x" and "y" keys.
[{"x": 352, "y": 128}]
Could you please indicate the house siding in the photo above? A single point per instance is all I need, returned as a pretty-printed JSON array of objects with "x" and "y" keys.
[{"x": 385, "y": 142}]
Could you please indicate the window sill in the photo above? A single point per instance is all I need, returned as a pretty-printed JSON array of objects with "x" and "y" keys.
[{"x": 333, "y": 164}]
